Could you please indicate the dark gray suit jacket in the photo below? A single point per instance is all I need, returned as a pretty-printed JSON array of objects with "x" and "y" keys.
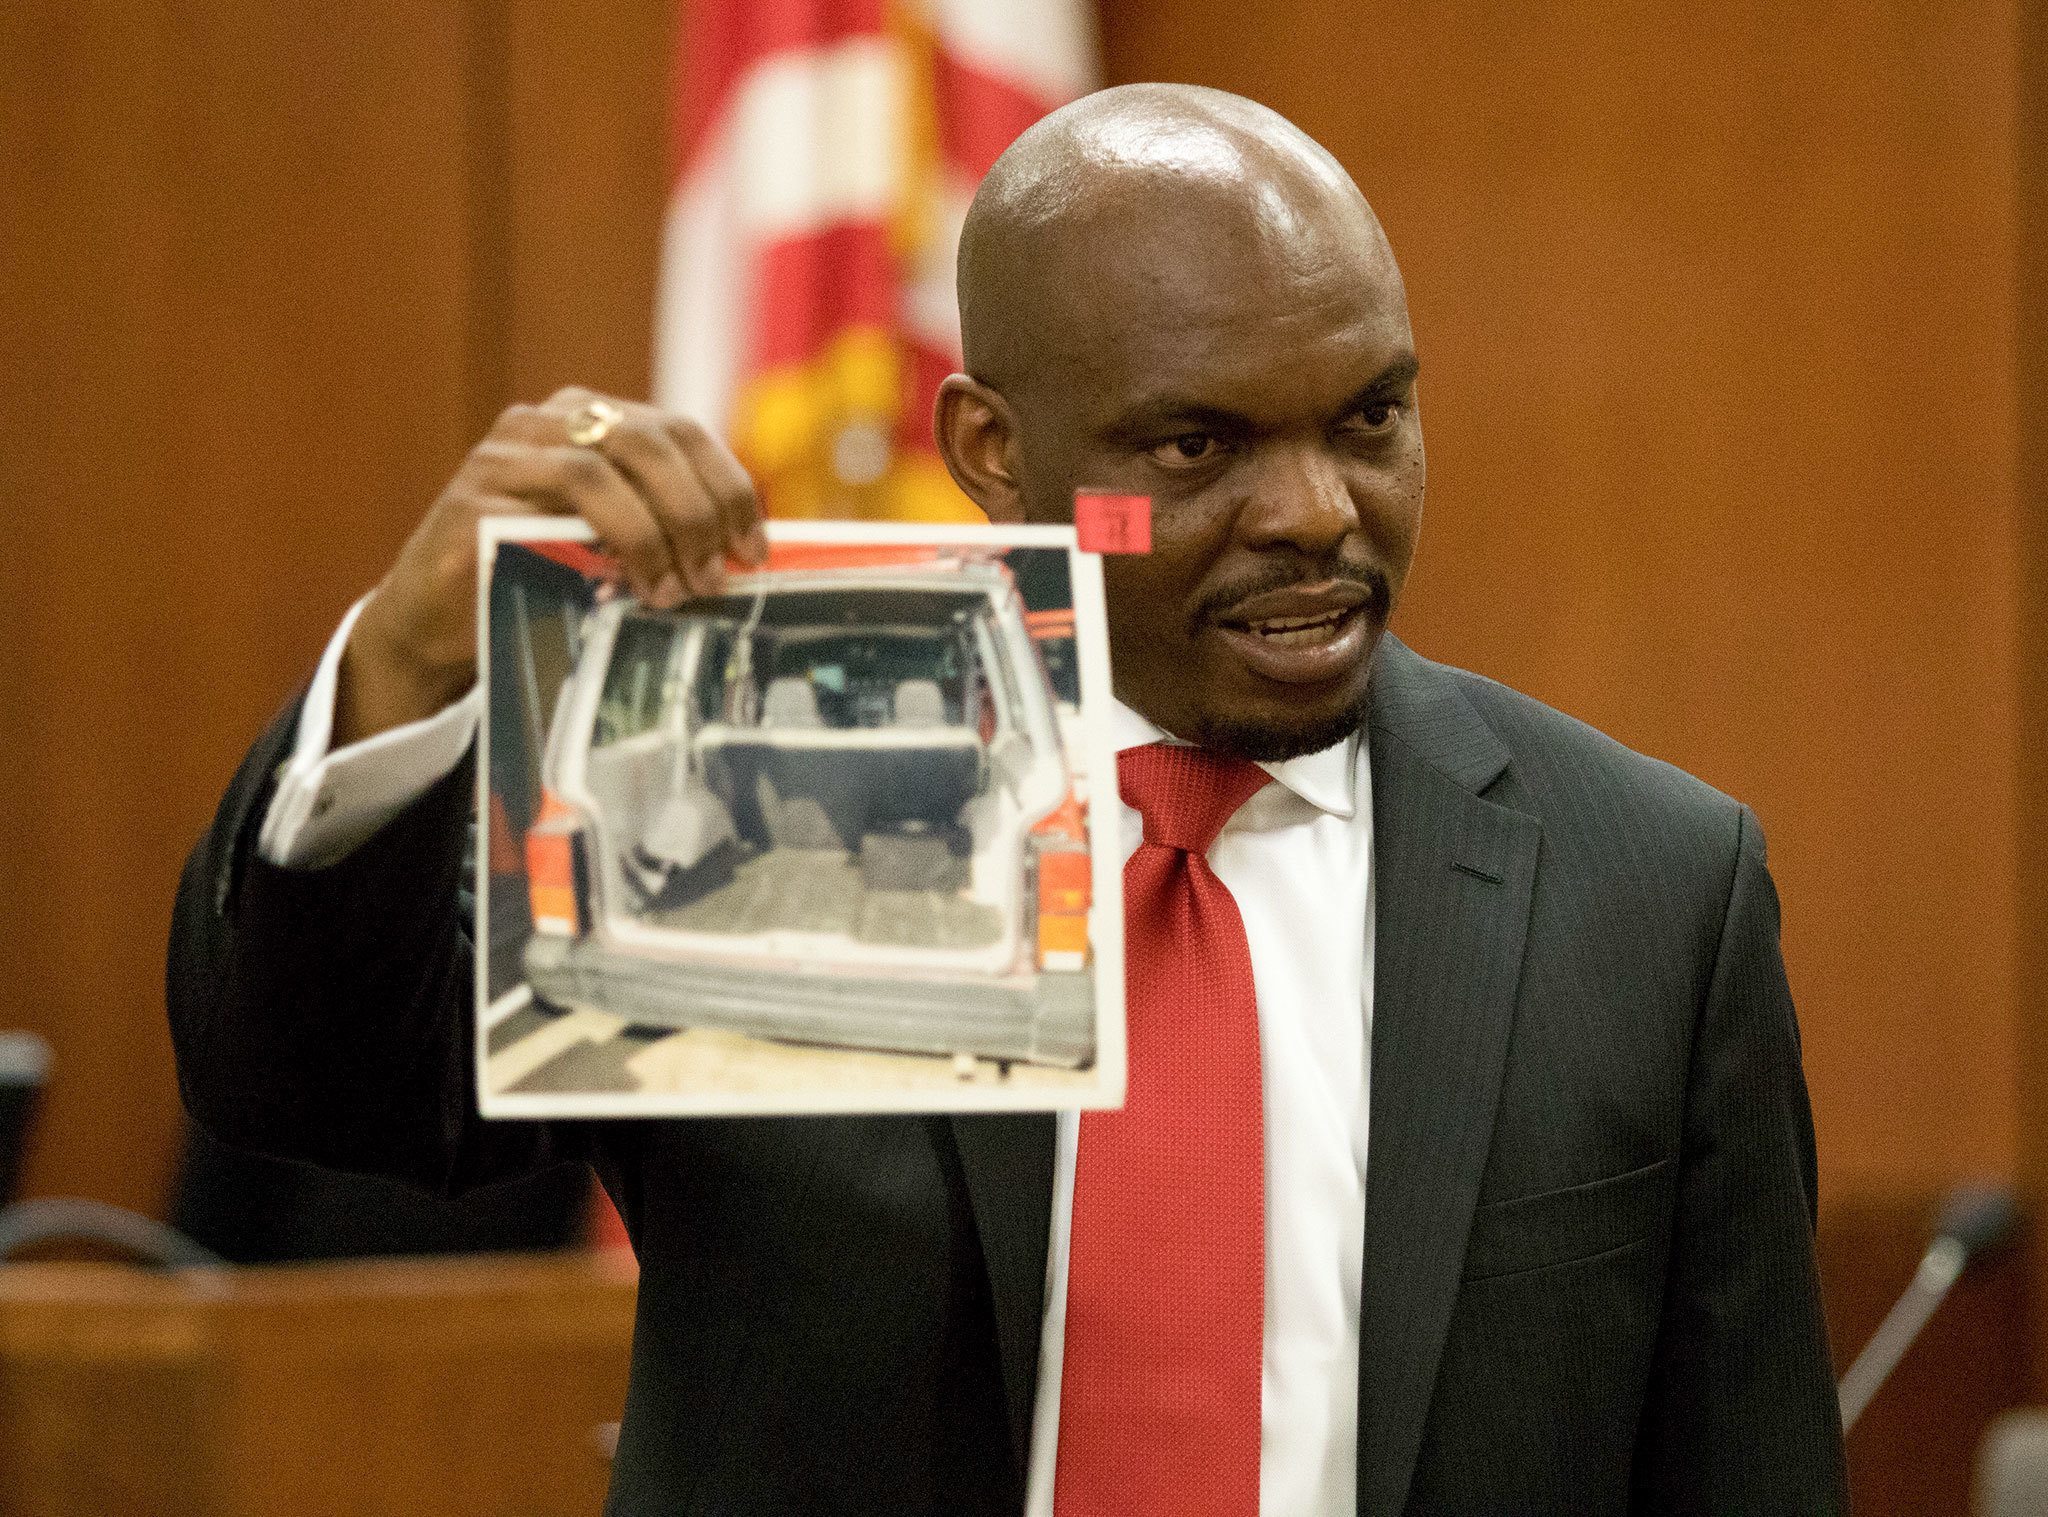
[{"x": 1589, "y": 1283}]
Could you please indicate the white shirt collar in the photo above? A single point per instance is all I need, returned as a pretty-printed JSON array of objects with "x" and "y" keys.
[{"x": 1325, "y": 778}]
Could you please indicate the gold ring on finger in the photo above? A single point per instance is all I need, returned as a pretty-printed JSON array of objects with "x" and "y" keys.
[{"x": 592, "y": 422}]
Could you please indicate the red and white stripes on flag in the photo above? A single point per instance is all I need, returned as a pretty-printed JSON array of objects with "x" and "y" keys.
[{"x": 827, "y": 153}]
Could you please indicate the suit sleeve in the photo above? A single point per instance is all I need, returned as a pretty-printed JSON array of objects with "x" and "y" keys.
[
  {"x": 326, "y": 1014},
  {"x": 1741, "y": 1414}
]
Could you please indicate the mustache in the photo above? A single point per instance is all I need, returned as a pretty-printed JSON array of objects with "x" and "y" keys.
[{"x": 1286, "y": 576}]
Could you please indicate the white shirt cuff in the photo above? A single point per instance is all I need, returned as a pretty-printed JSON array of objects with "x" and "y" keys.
[{"x": 327, "y": 805}]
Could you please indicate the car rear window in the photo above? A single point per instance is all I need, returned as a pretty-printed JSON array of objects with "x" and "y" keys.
[{"x": 636, "y": 684}]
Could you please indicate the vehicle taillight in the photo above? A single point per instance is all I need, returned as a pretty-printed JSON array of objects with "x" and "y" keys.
[
  {"x": 1065, "y": 888},
  {"x": 557, "y": 869}
]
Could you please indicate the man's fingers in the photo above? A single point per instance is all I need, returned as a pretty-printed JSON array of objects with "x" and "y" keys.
[
  {"x": 520, "y": 422},
  {"x": 567, "y": 479},
  {"x": 547, "y": 424},
  {"x": 681, "y": 505},
  {"x": 738, "y": 506},
  {"x": 695, "y": 488}
]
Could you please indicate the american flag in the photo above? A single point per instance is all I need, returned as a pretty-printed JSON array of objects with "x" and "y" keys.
[{"x": 827, "y": 150}]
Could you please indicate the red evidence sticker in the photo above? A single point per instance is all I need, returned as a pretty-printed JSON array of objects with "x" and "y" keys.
[{"x": 1113, "y": 523}]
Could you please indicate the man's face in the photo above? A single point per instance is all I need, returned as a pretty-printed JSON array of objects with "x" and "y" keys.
[{"x": 1260, "y": 388}]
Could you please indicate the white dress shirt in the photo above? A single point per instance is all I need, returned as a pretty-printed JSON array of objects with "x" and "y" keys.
[
  {"x": 1297, "y": 857},
  {"x": 328, "y": 804}
]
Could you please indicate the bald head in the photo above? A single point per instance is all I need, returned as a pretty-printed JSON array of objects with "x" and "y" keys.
[{"x": 1063, "y": 224}]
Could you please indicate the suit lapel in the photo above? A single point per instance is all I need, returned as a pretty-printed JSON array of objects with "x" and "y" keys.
[
  {"x": 1452, "y": 880},
  {"x": 1007, "y": 1161}
]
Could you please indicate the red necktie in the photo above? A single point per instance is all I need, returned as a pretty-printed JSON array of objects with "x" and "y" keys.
[{"x": 1166, "y": 1279}]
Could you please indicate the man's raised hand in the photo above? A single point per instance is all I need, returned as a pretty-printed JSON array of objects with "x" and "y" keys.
[{"x": 664, "y": 496}]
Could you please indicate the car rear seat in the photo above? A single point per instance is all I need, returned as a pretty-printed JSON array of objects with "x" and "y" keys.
[
  {"x": 919, "y": 703},
  {"x": 793, "y": 782}
]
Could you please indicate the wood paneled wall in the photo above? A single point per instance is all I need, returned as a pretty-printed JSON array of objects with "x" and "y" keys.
[
  {"x": 238, "y": 360},
  {"x": 387, "y": 1388},
  {"x": 2031, "y": 284},
  {"x": 1720, "y": 309}
]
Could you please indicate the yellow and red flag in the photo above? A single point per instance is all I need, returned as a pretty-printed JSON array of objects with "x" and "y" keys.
[{"x": 827, "y": 153}]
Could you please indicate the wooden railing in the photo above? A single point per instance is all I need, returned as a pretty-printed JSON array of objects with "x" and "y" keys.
[{"x": 381, "y": 1389}]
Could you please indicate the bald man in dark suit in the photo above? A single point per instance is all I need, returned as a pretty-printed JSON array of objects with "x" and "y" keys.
[{"x": 1579, "y": 1277}]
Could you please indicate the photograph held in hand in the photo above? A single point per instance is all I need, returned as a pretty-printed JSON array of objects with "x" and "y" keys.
[{"x": 819, "y": 842}]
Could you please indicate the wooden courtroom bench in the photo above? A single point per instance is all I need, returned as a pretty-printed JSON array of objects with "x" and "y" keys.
[{"x": 399, "y": 1388}]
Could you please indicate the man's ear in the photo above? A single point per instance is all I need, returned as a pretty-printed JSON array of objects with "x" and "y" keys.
[{"x": 977, "y": 436}]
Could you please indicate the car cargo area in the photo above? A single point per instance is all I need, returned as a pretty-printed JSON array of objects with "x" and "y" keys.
[
  {"x": 828, "y": 891},
  {"x": 821, "y": 813},
  {"x": 850, "y": 767}
]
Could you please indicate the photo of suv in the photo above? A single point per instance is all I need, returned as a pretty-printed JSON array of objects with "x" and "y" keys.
[{"x": 841, "y": 804}]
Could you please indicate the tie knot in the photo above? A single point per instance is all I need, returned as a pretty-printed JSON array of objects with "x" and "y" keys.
[{"x": 1185, "y": 794}]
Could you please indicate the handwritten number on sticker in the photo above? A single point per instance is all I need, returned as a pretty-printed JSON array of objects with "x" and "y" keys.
[{"x": 1113, "y": 523}]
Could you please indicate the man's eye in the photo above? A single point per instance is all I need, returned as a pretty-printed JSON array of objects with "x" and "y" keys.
[
  {"x": 1188, "y": 448},
  {"x": 1378, "y": 415}
]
